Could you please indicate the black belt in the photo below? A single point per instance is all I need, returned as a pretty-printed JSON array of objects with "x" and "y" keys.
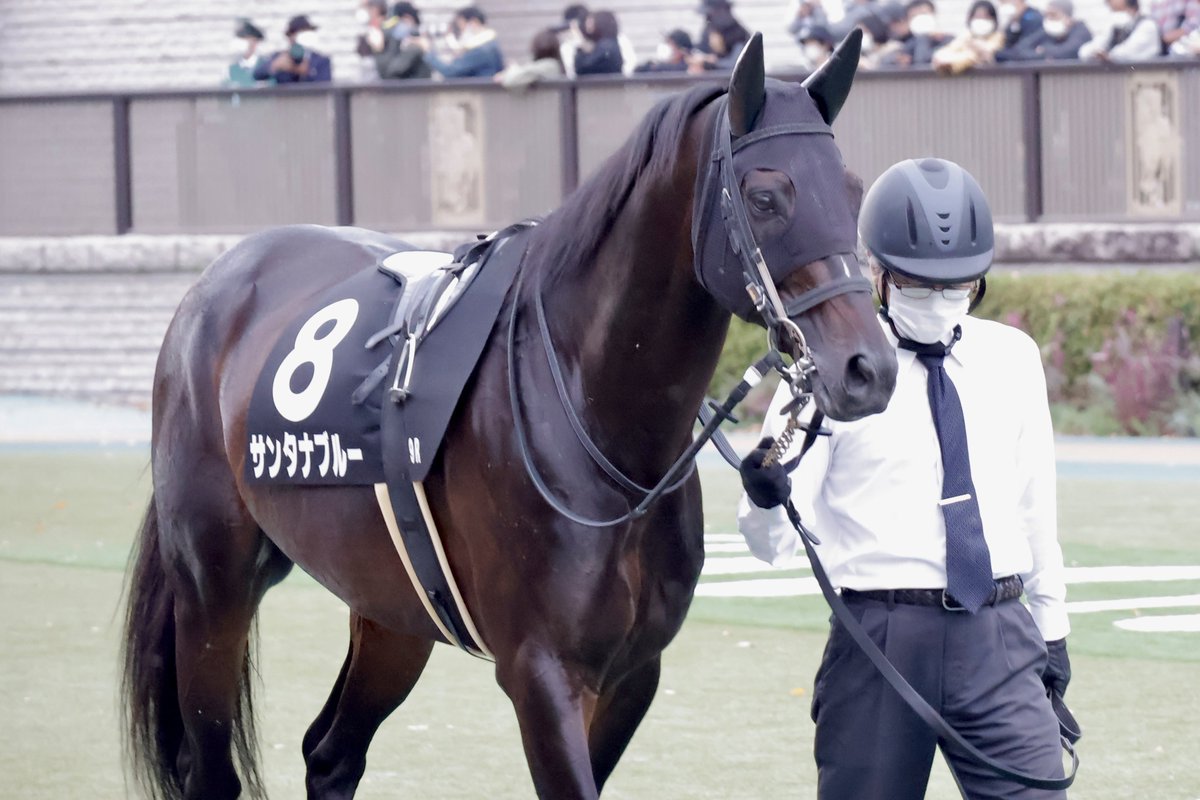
[{"x": 1007, "y": 588}]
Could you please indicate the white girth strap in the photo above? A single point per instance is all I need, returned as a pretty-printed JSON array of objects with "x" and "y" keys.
[{"x": 383, "y": 497}]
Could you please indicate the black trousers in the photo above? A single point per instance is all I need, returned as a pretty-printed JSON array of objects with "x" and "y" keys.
[{"x": 981, "y": 671}]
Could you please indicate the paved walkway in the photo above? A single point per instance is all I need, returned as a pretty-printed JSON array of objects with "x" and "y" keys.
[{"x": 29, "y": 421}]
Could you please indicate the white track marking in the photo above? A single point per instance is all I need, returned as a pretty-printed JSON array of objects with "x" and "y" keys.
[
  {"x": 1175, "y": 623},
  {"x": 1128, "y": 603},
  {"x": 1128, "y": 574}
]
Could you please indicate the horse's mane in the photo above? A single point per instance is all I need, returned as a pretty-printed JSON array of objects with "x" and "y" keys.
[{"x": 571, "y": 235}]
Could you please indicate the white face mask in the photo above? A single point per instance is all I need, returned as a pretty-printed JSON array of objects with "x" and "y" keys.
[
  {"x": 362, "y": 16},
  {"x": 815, "y": 53},
  {"x": 922, "y": 24},
  {"x": 308, "y": 40},
  {"x": 868, "y": 42},
  {"x": 1007, "y": 13},
  {"x": 931, "y": 319},
  {"x": 1055, "y": 27},
  {"x": 238, "y": 47},
  {"x": 663, "y": 52},
  {"x": 981, "y": 28},
  {"x": 1120, "y": 19}
]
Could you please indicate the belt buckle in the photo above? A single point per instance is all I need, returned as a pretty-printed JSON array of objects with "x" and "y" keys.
[{"x": 947, "y": 600}]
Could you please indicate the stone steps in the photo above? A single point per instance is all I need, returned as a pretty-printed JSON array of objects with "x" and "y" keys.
[{"x": 90, "y": 337}]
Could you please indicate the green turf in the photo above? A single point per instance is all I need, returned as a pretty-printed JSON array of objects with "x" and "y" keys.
[{"x": 730, "y": 720}]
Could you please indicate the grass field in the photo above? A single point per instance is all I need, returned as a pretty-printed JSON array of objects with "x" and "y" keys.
[{"x": 731, "y": 718}]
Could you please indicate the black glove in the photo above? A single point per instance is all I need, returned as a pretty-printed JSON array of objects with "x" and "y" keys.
[
  {"x": 1058, "y": 668},
  {"x": 766, "y": 487}
]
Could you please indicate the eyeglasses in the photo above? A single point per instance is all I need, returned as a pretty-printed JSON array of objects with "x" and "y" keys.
[
  {"x": 923, "y": 292},
  {"x": 914, "y": 291}
]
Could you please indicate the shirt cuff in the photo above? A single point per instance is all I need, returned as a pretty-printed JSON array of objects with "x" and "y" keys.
[{"x": 1051, "y": 621}]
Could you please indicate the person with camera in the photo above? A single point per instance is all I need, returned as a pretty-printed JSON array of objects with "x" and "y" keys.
[
  {"x": 300, "y": 62},
  {"x": 402, "y": 56},
  {"x": 935, "y": 516}
]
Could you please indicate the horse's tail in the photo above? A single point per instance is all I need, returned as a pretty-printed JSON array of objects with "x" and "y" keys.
[
  {"x": 152, "y": 723},
  {"x": 153, "y": 727}
]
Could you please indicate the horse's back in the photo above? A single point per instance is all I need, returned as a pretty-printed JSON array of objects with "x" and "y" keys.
[{"x": 234, "y": 313}]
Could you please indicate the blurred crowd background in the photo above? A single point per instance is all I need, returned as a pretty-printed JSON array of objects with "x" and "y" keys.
[{"x": 141, "y": 43}]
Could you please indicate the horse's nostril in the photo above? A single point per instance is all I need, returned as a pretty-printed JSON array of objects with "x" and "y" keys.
[{"x": 860, "y": 374}]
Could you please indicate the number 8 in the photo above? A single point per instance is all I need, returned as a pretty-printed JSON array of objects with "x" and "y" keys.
[{"x": 297, "y": 406}]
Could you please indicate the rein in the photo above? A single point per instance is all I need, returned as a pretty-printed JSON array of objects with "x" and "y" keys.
[{"x": 668, "y": 483}]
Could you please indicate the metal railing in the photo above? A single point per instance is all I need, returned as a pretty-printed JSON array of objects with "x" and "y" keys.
[{"x": 1047, "y": 142}]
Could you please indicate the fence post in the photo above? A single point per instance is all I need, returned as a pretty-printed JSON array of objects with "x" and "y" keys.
[
  {"x": 568, "y": 127},
  {"x": 343, "y": 158},
  {"x": 1031, "y": 100},
  {"x": 122, "y": 167}
]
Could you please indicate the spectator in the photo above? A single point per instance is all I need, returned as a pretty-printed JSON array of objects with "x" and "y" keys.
[
  {"x": 1132, "y": 36},
  {"x": 402, "y": 56},
  {"x": 816, "y": 46},
  {"x": 372, "y": 41},
  {"x": 1176, "y": 19},
  {"x": 1188, "y": 46},
  {"x": 478, "y": 52},
  {"x": 247, "y": 38},
  {"x": 808, "y": 13},
  {"x": 857, "y": 11},
  {"x": 925, "y": 39},
  {"x": 878, "y": 47},
  {"x": 1020, "y": 24},
  {"x": 897, "y": 51},
  {"x": 722, "y": 40},
  {"x": 599, "y": 53},
  {"x": 976, "y": 46},
  {"x": 1061, "y": 36},
  {"x": 301, "y": 62},
  {"x": 672, "y": 54},
  {"x": 574, "y": 19},
  {"x": 546, "y": 63}
]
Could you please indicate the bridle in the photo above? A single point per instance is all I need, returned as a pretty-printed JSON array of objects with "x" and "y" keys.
[
  {"x": 784, "y": 336},
  {"x": 721, "y": 182}
]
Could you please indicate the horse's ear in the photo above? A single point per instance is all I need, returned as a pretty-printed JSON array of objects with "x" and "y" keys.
[
  {"x": 747, "y": 92},
  {"x": 830, "y": 85}
]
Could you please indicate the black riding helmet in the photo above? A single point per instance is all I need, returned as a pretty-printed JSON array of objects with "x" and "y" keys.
[{"x": 927, "y": 219}]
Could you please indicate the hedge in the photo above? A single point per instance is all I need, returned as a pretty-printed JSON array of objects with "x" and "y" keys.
[{"x": 1121, "y": 349}]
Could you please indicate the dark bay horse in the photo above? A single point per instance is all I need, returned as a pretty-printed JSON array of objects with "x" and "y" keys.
[{"x": 577, "y": 617}]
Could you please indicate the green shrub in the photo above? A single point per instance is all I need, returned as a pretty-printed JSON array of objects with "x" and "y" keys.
[{"x": 1119, "y": 347}]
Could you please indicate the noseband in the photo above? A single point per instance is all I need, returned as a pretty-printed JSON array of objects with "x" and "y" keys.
[{"x": 777, "y": 316}]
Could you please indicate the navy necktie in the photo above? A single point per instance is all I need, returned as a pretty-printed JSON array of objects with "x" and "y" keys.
[{"x": 968, "y": 563}]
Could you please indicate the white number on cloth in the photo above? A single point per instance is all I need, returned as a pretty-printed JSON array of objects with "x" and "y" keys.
[{"x": 297, "y": 406}]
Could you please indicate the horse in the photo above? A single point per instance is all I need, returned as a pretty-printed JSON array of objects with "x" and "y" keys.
[{"x": 638, "y": 279}]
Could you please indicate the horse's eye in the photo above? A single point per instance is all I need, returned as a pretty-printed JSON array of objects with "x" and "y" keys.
[{"x": 762, "y": 201}]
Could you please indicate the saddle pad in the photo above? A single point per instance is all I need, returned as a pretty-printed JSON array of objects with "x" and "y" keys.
[{"x": 302, "y": 427}]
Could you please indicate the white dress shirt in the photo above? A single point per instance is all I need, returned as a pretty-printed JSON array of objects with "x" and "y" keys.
[{"x": 870, "y": 491}]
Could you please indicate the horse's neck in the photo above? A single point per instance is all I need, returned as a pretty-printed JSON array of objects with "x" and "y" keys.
[{"x": 638, "y": 335}]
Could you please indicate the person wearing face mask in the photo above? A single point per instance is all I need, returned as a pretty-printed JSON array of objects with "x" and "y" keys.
[
  {"x": 1177, "y": 20},
  {"x": 934, "y": 517},
  {"x": 816, "y": 45},
  {"x": 671, "y": 54},
  {"x": 1020, "y": 23},
  {"x": 1131, "y": 36},
  {"x": 300, "y": 62},
  {"x": 402, "y": 58},
  {"x": 925, "y": 38},
  {"x": 246, "y": 41},
  {"x": 477, "y": 51},
  {"x": 1061, "y": 36},
  {"x": 974, "y": 47}
]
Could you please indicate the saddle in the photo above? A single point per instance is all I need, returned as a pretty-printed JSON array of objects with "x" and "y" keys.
[{"x": 336, "y": 423}]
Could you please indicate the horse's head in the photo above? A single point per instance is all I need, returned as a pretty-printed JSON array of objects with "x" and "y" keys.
[{"x": 774, "y": 229}]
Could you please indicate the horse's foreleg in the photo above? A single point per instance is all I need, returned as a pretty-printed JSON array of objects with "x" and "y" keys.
[
  {"x": 554, "y": 707},
  {"x": 618, "y": 714},
  {"x": 381, "y": 668}
]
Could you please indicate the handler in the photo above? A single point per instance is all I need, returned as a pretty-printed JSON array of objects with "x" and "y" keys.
[{"x": 935, "y": 515}]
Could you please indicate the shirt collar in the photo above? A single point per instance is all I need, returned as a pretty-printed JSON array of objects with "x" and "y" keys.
[{"x": 959, "y": 353}]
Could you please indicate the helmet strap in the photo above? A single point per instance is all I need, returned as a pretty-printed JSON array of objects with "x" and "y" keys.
[{"x": 978, "y": 298}]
